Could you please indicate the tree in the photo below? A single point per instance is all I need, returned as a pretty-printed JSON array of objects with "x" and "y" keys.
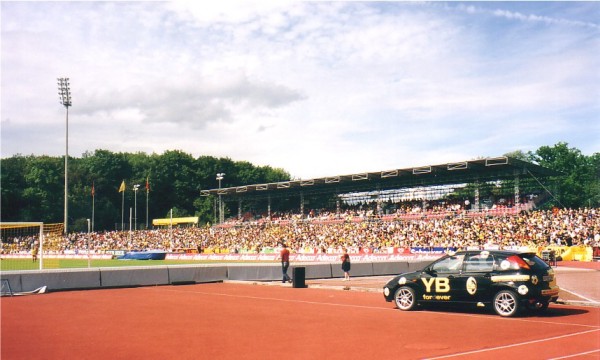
[
  {"x": 33, "y": 186},
  {"x": 43, "y": 192},
  {"x": 579, "y": 173},
  {"x": 520, "y": 155},
  {"x": 593, "y": 190},
  {"x": 175, "y": 182},
  {"x": 106, "y": 170},
  {"x": 12, "y": 178}
]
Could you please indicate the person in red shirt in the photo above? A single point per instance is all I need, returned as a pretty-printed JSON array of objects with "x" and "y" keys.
[{"x": 285, "y": 263}]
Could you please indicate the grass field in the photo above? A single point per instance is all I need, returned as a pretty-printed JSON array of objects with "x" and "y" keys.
[{"x": 28, "y": 264}]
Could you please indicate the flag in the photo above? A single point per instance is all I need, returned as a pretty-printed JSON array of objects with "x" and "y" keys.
[
  {"x": 147, "y": 184},
  {"x": 93, "y": 190},
  {"x": 122, "y": 187}
]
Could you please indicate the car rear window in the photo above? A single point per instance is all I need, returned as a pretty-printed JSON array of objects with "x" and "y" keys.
[
  {"x": 511, "y": 262},
  {"x": 479, "y": 262},
  {"x": 534, "y": 261}
]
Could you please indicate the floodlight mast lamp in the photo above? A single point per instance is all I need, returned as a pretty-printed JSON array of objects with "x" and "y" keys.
[{"x": 64, "y": 94}]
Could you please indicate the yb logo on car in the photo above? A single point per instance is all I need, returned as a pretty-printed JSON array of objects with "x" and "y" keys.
[{"x": 442, "y": 285}]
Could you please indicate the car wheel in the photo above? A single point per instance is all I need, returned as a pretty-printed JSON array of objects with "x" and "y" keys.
[
  {"x": 405, "y": 298},
  {"x": 506, "y": 303}
]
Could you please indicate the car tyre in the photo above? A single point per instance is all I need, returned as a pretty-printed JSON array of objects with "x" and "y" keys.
[
  {"x": 405, "y": 298},
  {"x": 506, "y": 303}
]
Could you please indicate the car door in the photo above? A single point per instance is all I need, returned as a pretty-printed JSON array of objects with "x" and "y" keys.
[
  {"x": 444, "y": 280},
  {"x": 475, "y": 280}
]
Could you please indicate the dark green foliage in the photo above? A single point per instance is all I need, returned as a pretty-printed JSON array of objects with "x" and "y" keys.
[
  {"x": 579, "y": 184},
  {"x": 33, "y": 186}
]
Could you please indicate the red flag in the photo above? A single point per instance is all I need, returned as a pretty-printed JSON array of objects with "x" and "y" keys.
[
  {"x": 93, "y": 191},
  {"x": 147, "y": 184}
]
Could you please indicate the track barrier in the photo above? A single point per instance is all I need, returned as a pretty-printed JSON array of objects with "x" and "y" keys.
[{"x": 98, "y": 278}]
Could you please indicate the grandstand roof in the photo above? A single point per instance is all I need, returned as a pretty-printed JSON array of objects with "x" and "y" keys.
[{"x": 488, "y": 169}]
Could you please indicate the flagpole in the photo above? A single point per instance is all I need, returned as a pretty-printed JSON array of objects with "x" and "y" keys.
[
  {"x": 122, "y": 210},
  {"x": 122, "y": 190},
  {"x": 93, "y": 205},
  {"x": 147, "y": 194}
]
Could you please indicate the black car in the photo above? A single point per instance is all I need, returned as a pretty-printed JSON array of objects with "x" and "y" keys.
[{"x": 508, "y": 281}]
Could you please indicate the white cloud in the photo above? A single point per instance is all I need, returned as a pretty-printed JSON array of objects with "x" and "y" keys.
[
  {"x": 543, "y": 19},
  {"x": 316, "y": 88}
]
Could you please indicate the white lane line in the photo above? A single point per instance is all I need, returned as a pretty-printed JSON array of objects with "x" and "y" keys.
[
  {"x": 385, "y": 308},
  {"x": 576, "y": 355},
  {"x": 284, "y": 300},
  {"x": 512, "y": 345},
  {"x": 581, "y": 296}
]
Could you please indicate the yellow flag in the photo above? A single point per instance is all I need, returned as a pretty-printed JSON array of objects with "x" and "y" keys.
[{"x": 122, "y": 187}]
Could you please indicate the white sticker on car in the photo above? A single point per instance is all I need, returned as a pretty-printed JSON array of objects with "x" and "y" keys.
[{"x": 471, "y": 285}]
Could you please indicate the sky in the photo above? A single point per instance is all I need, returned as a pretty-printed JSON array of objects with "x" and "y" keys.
[{"x": 314, "y": 88}]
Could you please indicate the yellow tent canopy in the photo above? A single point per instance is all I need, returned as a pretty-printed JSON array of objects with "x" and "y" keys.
[{"x": 175, "y": 221}]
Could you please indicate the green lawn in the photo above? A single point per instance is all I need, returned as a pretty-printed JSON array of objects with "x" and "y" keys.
[{"x": 28, "y": 264}]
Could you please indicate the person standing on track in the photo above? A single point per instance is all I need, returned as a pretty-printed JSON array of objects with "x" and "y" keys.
[
  {"x": 346, "y": 265},
  {"x": 285, "y": 263}
]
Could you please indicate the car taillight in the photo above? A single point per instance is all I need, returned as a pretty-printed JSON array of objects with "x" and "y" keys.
[{"x": 514, "y": 259}]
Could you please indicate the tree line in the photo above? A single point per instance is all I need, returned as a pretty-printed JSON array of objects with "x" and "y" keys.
[
  {"x": 32, "y": 187},
  {"x": 579, "y": 183}
]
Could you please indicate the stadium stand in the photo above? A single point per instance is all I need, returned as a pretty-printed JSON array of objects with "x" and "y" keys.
[{"x": 362, "y": 233}]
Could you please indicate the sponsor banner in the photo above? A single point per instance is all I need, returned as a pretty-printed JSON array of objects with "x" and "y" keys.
[
  {"x": 571, "y": 253},
  {"x": 116, "y": 252},
  {"x": 326, "y": 258},
  {"x": 62, "y": 256},
  {"x": 432, "y": 250}
]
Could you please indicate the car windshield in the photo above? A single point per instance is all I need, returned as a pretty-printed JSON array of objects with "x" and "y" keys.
[{"x": 451, "y": 263}]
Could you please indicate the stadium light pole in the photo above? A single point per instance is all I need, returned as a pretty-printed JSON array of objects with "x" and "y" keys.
[
  {"x": 136, "y": 187},
  {"x": 219, "y": 178},
  {"x": 64, "y": 94}
]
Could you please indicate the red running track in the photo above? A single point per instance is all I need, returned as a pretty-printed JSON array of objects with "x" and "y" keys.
[{"x": 239, "y": 321}]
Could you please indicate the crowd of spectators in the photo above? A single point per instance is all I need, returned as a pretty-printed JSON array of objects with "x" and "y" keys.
[
  {"x": 389, "y": 211},
  {"x": 561, "y": 227}
]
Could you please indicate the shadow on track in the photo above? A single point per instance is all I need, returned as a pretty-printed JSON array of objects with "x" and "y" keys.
[{"x": 551, "y": 312}]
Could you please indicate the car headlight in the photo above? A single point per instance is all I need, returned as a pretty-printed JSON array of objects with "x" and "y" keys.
[
  {"x": 402, "y": 281},
  {"x": 386, "y": 291},
  {"x": 523, "y": 290}
]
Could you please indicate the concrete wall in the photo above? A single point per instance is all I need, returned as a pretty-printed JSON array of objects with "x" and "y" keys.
[
  {"x": 97, "y": 278},
  {"x": 181, "y": 274}
]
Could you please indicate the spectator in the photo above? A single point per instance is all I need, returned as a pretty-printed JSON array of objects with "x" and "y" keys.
[
  {"x": 328, "y": 232},
  {"x": 346, "y": 265},
  {"x": 284, "y": 255}
]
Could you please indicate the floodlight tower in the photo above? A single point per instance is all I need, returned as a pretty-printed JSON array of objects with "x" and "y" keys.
[
  {"x": 64, "y": 94},
  {"x": 219, "y": 178}
]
